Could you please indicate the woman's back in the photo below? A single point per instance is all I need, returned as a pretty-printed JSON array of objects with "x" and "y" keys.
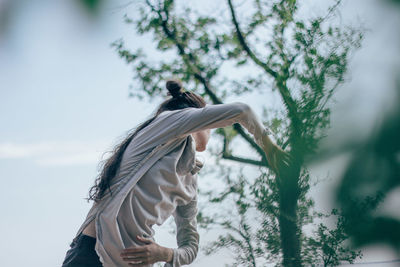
[{"x": 152, "y": 175}]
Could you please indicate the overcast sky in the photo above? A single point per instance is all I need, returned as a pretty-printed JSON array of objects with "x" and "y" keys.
[{"x": 64, "y": 101}]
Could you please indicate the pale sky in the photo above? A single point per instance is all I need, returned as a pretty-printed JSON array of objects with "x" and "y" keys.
[{"x": 64, "y": 101}]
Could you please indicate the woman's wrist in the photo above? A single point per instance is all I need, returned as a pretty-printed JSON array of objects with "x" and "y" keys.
[
  {"x": 267, "y": 142},
  {"x": 168, "y": 254}
]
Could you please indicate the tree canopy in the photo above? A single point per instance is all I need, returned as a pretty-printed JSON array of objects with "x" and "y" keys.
[{"x": 273, "y": 51}]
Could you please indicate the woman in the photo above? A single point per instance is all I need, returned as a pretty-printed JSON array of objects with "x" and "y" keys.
[{"x": 152, "y": 175}]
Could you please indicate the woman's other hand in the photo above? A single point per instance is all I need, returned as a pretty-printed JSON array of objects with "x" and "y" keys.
[{"x": 149, "y": 253}]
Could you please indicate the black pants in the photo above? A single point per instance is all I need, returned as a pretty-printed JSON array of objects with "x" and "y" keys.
[{"x": 82, "y": 253}]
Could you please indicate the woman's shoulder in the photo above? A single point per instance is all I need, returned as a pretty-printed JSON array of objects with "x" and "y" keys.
[
  {"x": 170, "y": 117},
  {"x": 169, "y": 112}
]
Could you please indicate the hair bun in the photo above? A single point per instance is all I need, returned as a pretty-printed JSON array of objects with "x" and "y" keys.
[{"x": 174, "y": 87}]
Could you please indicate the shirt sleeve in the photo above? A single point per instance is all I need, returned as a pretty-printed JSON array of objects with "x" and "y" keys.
[
  {"x": 178, "y": 123},
  {"x": 219, "y": 116},
  {"x": 187, "y": 236}
]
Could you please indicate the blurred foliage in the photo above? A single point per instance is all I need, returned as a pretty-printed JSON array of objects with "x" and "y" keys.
[
  {"x": 330, "y": 244},
  {"x": 92, "y": 6},
  {"x": 302, "y": 61},
  {"x": 372, "y": 174},
  {"x": 9, "y": 8}
]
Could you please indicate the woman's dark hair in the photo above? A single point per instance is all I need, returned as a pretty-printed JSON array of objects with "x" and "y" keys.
[{"x": 180, "y": 99}]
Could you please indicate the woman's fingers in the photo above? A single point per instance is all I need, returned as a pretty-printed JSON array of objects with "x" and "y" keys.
[
  {"x": 279, "y": 159},
  {"x": 286, "y": 159},
  {"x": 138, "y": 263},
  {"x": 140, "y": 256},
  {"x": 131, "y": 250},
  {"x": 144, "y": 240},
  {"x": 136, "y": 260}
]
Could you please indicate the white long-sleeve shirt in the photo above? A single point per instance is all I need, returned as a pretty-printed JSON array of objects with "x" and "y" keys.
[{"x": 157, "y": 179}]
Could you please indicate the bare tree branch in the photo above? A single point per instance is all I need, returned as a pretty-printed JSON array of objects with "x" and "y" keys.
[
  {"x": 191, "y": 62},
  {"x": 246, "y": 48},
  {"x": 281, "y": 81}
]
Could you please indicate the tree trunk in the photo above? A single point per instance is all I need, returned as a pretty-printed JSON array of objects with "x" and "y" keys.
[{"x": 288, "y": 225}]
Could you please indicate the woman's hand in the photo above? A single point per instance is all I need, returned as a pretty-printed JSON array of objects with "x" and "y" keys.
[
  {"x": 147, "y": 254},
  {"x": 201, "y": 139},
  {"x": 277, "y": 158}
]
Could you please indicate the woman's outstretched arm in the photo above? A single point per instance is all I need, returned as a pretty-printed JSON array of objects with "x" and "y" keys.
[
  {"x": 222, "y": 115},
  {"x": 178, "y": 123}
]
